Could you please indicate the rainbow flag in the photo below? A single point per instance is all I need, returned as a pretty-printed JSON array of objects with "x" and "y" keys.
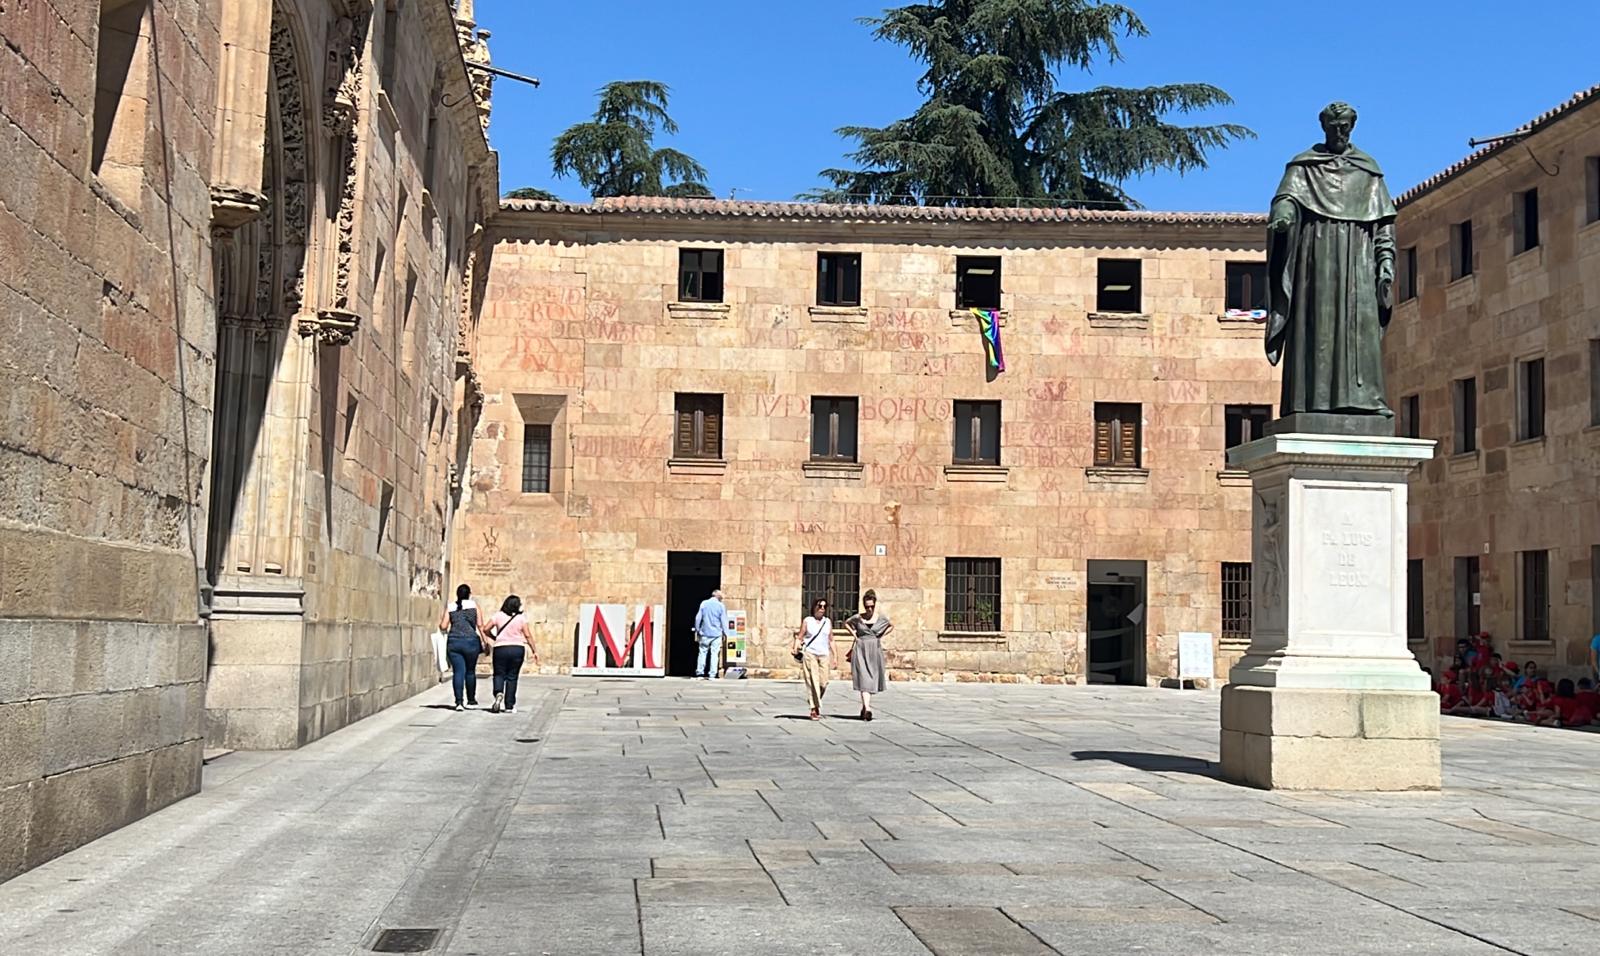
[{"x": 989, "y": 325}]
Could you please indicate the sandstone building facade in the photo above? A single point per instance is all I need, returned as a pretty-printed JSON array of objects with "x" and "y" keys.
[
  {"x": 238, "y": 315},
  {"x": 793, "y": 400},
  {"x": 1494, "y": 351}
]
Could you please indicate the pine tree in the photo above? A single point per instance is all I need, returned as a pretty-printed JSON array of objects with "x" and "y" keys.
[
  {"x": 996, "y": 130},
  {"x": 614, "y": 153}
]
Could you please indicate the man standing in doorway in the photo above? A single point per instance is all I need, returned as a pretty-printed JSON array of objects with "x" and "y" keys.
[{"x": 710, "y": 628}]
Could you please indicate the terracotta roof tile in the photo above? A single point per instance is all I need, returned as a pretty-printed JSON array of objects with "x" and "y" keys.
[
  {"x": 1578, "y": 100},
  {"x": 665, "y": 206}
]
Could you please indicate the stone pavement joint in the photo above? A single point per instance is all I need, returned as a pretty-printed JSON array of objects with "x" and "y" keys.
[{"x": 669, "y": 817}]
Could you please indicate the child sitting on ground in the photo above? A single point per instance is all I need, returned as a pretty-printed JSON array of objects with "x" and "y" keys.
[{"x": 1568, "y": 708}]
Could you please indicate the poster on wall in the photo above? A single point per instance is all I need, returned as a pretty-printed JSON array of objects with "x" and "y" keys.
[
  {"x": 620, "y": 640},
  {"x": 738, "y": 638}
]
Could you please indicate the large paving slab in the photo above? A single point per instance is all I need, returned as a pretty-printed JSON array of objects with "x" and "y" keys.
[{"x": 633, "y": 816}]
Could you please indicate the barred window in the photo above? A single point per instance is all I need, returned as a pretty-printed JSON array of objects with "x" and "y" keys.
[
  {"x": 535, "y": 459},
  {"x": 972, "y": 594},
  {"x": 1535, "y": 595},
  {"x": 1236, "y": 602},
  {"x": 835, "y": 578}
]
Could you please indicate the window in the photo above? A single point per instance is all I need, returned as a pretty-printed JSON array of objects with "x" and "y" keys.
[
  {"x": 1415, "y": 631},
  {"x": 1525, "y": 220},
  {"x": 977, "y": 433},
  {"x": 977, "y": 282},
  {"x": 121, "y": 98},
  {"x": 972, "y": 594},
  {"x": 1593, "y": 196},
  {"x": 1594, "y": 390},
  {"x": 1461, "y": 250},
  {"x": 835, "y": 578},
  {"x": 1406, "y": 279},
  {"x": 833, "y": 429},
  {"x": 1530, "y": 399},
  {"x": 391, "y": 39},
  {"x": 1244, "y": 423},
  {"x": 1410, "y": 423},
  {"x": 1464, "y": 396},
  {"x": 1119, "y": 285},
  {"x": 1116, "y": 435},
  {"x": 1535, "y": 595},
  {"x": 1236, "y": 602},
  {"x": 838, "y": 278},
  {"x": 536, "y": 459},
  {"x": 699, "y": 429},
  {"x": 1247, "y": 286},
  {"x": 700, "y": 275},
  {"x": 1469, "y": 597}
]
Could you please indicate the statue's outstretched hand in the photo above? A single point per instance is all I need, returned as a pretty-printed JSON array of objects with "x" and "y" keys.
[{"x": 1386, "y": 293}]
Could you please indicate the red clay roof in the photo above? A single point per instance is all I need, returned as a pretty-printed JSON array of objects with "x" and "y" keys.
[
  {"x": 1577, "y": 101},
  {"x": 664, "y": 206}
]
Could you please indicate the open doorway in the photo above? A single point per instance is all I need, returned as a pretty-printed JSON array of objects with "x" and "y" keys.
[
  {"x": 1116, "y": 604},
  {"x": 691, "y": 577}
]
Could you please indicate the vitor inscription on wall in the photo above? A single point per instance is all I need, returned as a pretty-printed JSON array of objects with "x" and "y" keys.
[{"x": 1347, "y": 544}]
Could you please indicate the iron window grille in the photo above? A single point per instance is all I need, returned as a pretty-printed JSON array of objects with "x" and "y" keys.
[
  {"x": 1236, "y": 602},
  {"x": 535, "y": 459},
  {"x": 835, "y": 578},
  {"x": 972, "y": 594},
  {"x": 1536, "y": 595}
]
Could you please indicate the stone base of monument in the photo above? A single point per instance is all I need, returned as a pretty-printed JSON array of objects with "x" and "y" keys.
[{"x": 1329, "y": 697}]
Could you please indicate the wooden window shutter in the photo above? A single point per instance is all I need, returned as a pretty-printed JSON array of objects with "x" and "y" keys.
[
  {"x": 1128, "y": 439},
  {"x": 712, "y": 447},
  {"x": 683, "y": 442},
  {"x": 1102, "y": 442}
]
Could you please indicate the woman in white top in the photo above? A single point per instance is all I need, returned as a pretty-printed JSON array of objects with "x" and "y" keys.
[{"x": 813, "y": 648}]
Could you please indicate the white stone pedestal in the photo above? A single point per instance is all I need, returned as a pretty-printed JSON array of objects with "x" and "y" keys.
[{"x": 1329, "y": 697}]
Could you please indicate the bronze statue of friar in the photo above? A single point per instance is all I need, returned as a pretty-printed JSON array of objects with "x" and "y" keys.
[{"x": 1330, "y": 272}]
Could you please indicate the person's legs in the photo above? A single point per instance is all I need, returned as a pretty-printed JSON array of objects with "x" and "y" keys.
[
  {"x": 500, "y": 661},
  {"x": 814, "y": 671},
  {"x": 866, "y": 702},
  {"x": 471, "y": 657},
  {"x": 458, "y": 672},
  {"x": 714, "y": 665},
  {"x": 514, "y": 658},
  {"x": 700, "y": 656}
]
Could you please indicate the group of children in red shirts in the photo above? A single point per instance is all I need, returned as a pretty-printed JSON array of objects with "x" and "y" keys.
[{"x": 1480, "y": 684}]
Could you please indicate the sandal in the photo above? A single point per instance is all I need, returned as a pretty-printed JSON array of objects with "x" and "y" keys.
[
  {"x": 816, "y": 715},
  {"x": 867, "y": 715}
]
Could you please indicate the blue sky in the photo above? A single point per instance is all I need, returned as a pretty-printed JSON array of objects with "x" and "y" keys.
[{"x": 760, "y": 86}]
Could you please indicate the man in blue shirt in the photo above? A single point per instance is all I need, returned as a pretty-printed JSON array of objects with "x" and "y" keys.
[{"x": 710, "y": 628}]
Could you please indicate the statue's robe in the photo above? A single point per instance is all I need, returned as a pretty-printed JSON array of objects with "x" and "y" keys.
[{"x": 1324, "y": 319}]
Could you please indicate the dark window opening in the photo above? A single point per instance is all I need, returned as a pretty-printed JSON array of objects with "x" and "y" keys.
[
  {"x": 838, "y": 278},
  {"x": 1465, "y": 395},
  {"x": 1247, "y": 286},
  {"x": 536, "y": 459},
  {"x": 834, "y": 578},
  {"x": 1406, "y": 280},
  {"x": 1119, "y": 285},
  {"x": 977, "y": 433},
  {"x": 1409, "y": 424},
  {"x": 833, "y": 429},
  {"x": 1530, "y": 380},
  {"x": 1469, "y": 597},
  {"x": 977, "y": 282},
  {"x": 1244, "y": 423},
  {"x": 1535, "y": 595},
  {"x": 972, "y": 594},
  {"x": 1461, "y": 250},
  {"x": 1415, "y": 584},
  {"x": 1116, "y": 435},
  {"x": 699, "y": 426},
  {"x": 1527, "y": 220},
  {"x": 699, "y": 275}
]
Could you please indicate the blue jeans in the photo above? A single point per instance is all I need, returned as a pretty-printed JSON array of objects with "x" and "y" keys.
[
  {"x": 507, "y": 668},
  {"x": 463, "y": 657},
  {"x": 706, "y": 665}
]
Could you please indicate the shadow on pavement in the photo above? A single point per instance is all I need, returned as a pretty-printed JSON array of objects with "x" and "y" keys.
[{"x": 1161, "y": 763}]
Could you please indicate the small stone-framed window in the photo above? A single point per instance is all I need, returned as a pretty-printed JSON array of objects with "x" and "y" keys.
[
  {"x": 699, "y": 275},
  {"x": 977, "y": 282}
]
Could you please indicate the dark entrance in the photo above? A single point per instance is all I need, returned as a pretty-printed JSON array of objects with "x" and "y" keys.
[
  {"x": 691, "y": 577},
  {"x": 1116, "y": 622}
]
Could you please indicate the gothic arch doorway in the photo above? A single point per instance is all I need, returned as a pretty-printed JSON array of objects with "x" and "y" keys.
[{"x": 259, "y": 270}]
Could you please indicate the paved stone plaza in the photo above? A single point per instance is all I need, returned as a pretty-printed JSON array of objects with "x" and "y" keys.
[{"x": 626, "y": 816}]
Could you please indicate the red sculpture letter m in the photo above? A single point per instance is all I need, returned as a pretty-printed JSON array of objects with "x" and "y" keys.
[{"x": 639, "y": 636}]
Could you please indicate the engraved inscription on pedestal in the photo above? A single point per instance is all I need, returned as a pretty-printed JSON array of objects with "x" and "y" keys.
[{"x": 1347, "y": 555}]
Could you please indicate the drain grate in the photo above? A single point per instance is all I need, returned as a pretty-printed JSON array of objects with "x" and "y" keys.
[{"x": 405, "y": 940}]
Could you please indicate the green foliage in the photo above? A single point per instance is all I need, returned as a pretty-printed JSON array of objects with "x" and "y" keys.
[
  {"x": 614, "y": 153},
  {"x": 996, "y": 130},
  {"x": 530, "y": 192}
]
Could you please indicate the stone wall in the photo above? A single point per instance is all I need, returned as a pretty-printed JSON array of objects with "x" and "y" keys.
[
  {"x": 581, "y": 329},
  {"x": 1508, "y": 496},
  {"x": 106, "y": 357}
]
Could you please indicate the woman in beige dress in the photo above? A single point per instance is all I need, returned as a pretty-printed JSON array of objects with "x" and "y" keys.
[{"x": 867, "y": 673}]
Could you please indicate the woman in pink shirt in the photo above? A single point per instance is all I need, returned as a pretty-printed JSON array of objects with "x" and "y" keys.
[{"x": 507, "y": 632}]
